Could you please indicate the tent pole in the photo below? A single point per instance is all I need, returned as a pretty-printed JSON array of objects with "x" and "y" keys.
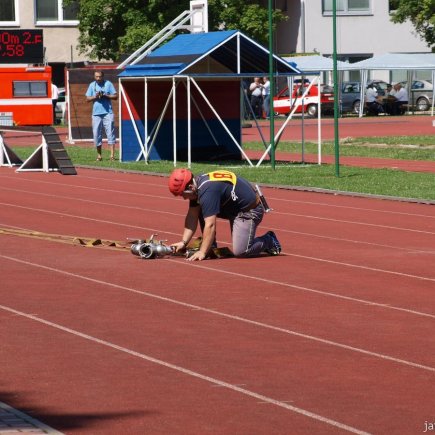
[
  {"x": 433, "y": 93},
  {"x": 146, "y": 120},
  {"x": 130, "y": 114},
  {"x": 174, "y": 120},
  {"x": 189, "y": 125}
]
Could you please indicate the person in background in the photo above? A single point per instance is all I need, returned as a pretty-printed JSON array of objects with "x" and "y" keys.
[
  {"x": 374, "y": 107},
  {"x": 256, "y": 89},
  {"x": 54, "y": 99},
  {"x": 221, "y": 194},
  {"x": 266, "y": 97},
  {"x": 101, "y": 93},
  {"x": 400, "y": 98},
  {"x": 388, "y": 99}
]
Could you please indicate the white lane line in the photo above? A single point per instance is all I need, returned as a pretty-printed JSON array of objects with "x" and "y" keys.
[
  {"x": 392, "y": 272},
  {"x": 348, "y": 207},
  {"x": 308, "y": 289},
  {"x": 155, "y": 230},
  {"x": 225, "y": 315},
  {"x": 274, "y": 199},
  {"x": 152, "y": 210},
  {"x": 358, "y": 266},
  {"x": 188, "y": 372},
  {"x": 343, "y": 221},
  {"x": 91, "y": 201},
  {"x": 358, "y": 242},
  {"x": 100, "y": 189},
  {"x": 305, "y": 216},
  {"x": 305, "y": 289}
]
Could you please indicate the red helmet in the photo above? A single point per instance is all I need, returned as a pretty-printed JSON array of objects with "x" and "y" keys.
[{"x": 178, "y": 181}]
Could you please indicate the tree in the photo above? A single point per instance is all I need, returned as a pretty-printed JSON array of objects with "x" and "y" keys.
[
  {"x": 110, "y": 28},
  {"x": 421, "y": 13}
]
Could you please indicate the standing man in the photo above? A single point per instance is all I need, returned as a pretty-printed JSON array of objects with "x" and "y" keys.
[
  {"x": 101, "y": 93},
  {"x": 221, "y": 194},
  {"x": 266, "y": 97},
  {"x": 256, "y": 89}
]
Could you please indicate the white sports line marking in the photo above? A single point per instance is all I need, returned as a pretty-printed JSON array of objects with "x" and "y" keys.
[
  {"x": 358, "y": 242},
  {"x": 153, "y": 210},
  {"x": 225, "y": 315},
  {"x": 163, "y": 185},
  {"x": 375, "y": 210},
  {"x": 358, "y": 266},
  {"x": 390, "y": 227},
  {"x": 307, "y": 289},
  {"x": 312, "y": 290},
  {"x": 214, "y": 381},
  {"x": 71, "y": 198},
  {"x": 56, "y": 213},
  {"x": 167, "y": 232}
]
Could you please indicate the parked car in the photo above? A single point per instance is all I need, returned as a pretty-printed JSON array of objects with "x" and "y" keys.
[
  {"x": 420, "y": 95},
  {"x": 283, "y": 105},
  {"x": 61, "y": 106},
  {"x": 350, "y": 94}
]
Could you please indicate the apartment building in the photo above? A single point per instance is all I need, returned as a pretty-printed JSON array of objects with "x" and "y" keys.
[
  {"x": 59, "y": 25},
  {"x": 364, "y": 29}
]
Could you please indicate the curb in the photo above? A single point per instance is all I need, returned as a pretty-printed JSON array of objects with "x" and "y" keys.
[{"x": 14, "y": 421}]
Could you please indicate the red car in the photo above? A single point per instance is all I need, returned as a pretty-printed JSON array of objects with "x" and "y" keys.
[{"x": 283, "y": 106}]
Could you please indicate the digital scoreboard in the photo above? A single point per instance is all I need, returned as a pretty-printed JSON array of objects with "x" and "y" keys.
[{"x": 21, "y": 46}]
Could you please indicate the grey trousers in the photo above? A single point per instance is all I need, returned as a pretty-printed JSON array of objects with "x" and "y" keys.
[{"x": 243, "y": 228}]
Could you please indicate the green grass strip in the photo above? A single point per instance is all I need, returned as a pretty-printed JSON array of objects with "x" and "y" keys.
[{"x": 388, "y": 182}]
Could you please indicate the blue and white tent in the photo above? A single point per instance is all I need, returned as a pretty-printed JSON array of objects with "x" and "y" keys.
[{"x": 183, "y": 101}]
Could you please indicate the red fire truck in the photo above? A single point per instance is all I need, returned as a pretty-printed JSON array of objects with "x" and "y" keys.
[{"x": 25, "y": 95}]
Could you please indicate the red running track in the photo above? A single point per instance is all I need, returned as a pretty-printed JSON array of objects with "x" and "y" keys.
[
  {"x": 333, "y": 336},
  {"x": 347, "y": 127}
]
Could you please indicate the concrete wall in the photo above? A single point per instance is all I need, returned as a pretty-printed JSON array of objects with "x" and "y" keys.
[
  {"x": 365, "y": 35},
  {"x": 60, "y": 41}
]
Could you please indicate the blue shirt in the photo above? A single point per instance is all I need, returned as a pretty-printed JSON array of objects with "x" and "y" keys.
[{"x": 102, "y": 106}]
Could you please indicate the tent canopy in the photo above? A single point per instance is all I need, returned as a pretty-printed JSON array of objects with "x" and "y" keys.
[
  {"x": 397, "y": 61},
  {"x": 225, "y": 53}
]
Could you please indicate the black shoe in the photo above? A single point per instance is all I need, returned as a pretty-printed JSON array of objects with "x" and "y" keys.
[{"x": 276, "y": 249}]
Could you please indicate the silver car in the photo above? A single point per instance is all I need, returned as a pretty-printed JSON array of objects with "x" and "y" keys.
[
  {"x": 350, "y": 94},
  {"x": 420, "y": 95}
]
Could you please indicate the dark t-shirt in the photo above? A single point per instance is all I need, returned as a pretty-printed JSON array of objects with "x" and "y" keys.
[{"x": 215, "y": 198}]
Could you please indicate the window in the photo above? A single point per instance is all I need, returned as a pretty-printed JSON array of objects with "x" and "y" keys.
[
  {"x": 393, "y": 5},
  {"x": 8, "y": 12},
  {"x": 30, "y": 89},
  {"x": 348, "y": 7},
  {"x": 53, "y": 12}
]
